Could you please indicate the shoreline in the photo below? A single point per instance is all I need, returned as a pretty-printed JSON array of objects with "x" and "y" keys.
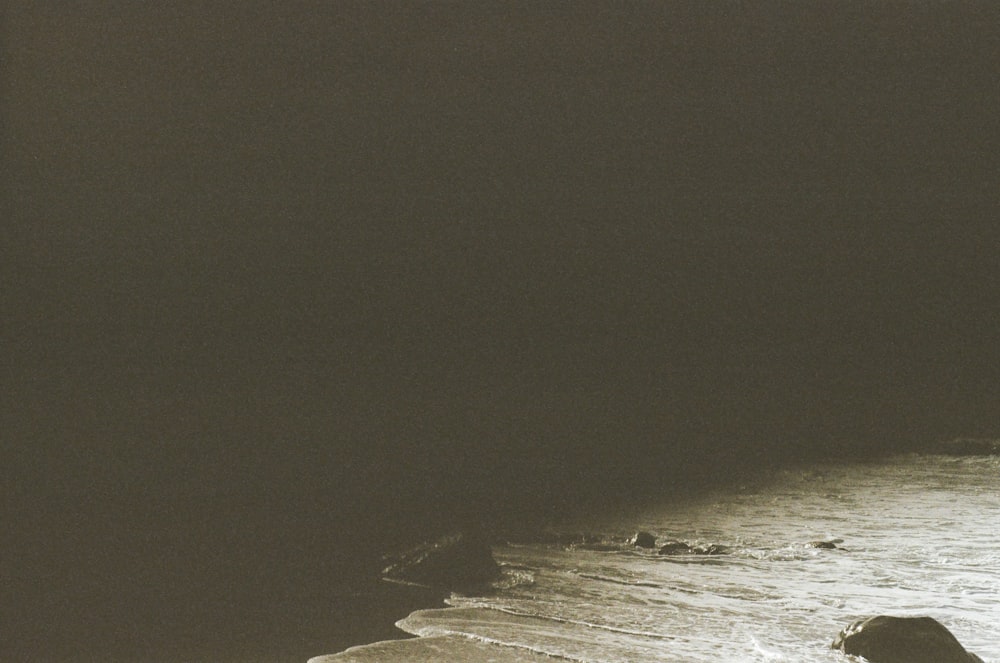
[
  {"x": 430, "y": 650},
  {"x": 801, "y": 503},
  {"x": 383, "y": 604}
]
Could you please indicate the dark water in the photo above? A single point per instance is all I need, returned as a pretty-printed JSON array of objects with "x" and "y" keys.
[
  {"x": 210, "y": 545},
  {"x": 214, "y": 579},
  {"x": 220, "y": 520},
  {"x": 199, "y": 587}
]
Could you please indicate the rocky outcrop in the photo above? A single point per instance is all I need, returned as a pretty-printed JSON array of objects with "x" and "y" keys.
[
  {"x": 455, "y": 562},
  {"x": 886, "y": 639}
]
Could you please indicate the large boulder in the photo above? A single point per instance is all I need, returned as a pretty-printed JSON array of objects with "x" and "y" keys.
[
  {"x": 886, "y": 639},
  {"x": 454, "y": 562}
]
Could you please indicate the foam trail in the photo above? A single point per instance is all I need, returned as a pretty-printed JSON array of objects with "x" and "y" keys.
[{"x": 435, "y": 650}]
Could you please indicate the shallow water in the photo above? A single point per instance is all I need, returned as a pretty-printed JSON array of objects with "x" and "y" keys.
[{"x": 916, "y": 535}]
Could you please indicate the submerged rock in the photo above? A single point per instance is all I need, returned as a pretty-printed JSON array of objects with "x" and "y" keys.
[
  {"x": 643, "y": 540},
  {"x": 886, "y": 639},
  {"x": 458, "y": 561}
]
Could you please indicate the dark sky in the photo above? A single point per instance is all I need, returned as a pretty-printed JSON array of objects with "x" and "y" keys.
[{"x": 255, "y": 241}]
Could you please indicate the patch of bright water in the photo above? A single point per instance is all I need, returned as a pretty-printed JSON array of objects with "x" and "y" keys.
[{"x": 917, "y": 535}]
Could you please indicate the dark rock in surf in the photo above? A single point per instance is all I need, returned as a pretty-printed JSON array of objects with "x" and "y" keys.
[
  {"x": 886, "y": 639},
  {"x": 674, "y": 548},
  {"x": 455, "y": 562},
  {"x": 643, "y": 540},
  {"x": 967, "y": 446},
  {"x": 823, "y": 545}
]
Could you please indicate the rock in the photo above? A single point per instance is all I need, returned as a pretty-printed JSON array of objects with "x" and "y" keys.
[
  {"x": 674, "y": 548},
  {"x": 886, "y": 639},
  {"x": 458, "y": 561},
  {"x": 643, "y": 540},
  {"x": 825, "y": 545}
]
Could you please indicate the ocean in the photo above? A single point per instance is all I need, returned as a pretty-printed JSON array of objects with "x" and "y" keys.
[{"x": 914, "y": 535}]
